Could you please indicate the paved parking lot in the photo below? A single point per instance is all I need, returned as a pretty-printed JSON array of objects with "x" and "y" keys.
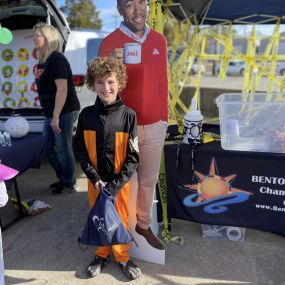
[
  {"x": 231, "y": 82},
  {"x": 43, "y": 249}
]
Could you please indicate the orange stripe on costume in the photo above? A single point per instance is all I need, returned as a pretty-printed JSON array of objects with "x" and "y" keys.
[
  {"x": 93, "y": 194},
  {"x": 121, "y": 143},
  {"x": 90, "y": 142}
]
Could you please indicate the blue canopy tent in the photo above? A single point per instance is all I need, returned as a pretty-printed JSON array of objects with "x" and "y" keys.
[{"x": 211, "y": 12}]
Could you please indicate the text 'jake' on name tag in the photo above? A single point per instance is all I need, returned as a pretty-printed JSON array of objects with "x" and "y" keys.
[{"x": 132, "y": 53}]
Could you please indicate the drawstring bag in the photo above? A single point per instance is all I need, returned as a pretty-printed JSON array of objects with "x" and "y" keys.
[{"x": 104, "y": 226}]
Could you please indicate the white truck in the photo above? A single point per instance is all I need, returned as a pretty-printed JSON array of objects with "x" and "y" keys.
[{"x": 83, "y": 46}]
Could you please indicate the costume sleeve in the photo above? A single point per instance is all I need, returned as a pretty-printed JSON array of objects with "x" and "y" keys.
[
  {"x": 131, "y": 161},
  {"x": 81, "y": 153},
  {"x": 164, "y": 84}
]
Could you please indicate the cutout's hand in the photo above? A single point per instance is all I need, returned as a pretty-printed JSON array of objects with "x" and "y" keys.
[{"x": 118, "y": 53}]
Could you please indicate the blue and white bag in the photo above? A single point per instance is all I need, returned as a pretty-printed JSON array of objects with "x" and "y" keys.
[{"x": 104, "y": 226}]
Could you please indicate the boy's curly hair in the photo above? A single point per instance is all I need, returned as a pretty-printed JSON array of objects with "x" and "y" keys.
[{"x": 102, "y": 66}]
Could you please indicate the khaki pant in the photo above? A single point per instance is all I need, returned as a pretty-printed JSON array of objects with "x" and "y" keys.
[{"x": 151, "y": 140}]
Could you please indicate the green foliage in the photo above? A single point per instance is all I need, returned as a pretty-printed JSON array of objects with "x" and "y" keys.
[{"x": 82, "y": 14}]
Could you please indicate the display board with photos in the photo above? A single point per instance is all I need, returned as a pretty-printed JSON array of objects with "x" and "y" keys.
[{"x": 17, "y": 67}]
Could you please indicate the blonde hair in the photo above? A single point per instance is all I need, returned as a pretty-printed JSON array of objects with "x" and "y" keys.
[
  {"x": 51, "y": 36},
  {"x": 102, "y": 66}
]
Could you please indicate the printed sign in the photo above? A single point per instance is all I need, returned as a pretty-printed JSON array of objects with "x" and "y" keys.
[
  {"x": 17, "y": 79},
  {"x": 226, "y": 187}
]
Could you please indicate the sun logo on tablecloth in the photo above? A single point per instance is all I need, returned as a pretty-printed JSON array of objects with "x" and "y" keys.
[{"x": 214, "y": 188}]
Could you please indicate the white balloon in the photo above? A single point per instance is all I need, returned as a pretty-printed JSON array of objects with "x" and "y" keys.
[{"x": 17, "y": 126}]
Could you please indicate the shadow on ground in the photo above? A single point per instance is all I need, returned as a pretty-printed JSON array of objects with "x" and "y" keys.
[{"x": 43, "y": 249}]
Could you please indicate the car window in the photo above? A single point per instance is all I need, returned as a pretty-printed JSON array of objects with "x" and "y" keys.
[
  {"x": 4, "y": 4},
  {"x": 14, "y": 12},
  {"x": 93, "y": 48}
]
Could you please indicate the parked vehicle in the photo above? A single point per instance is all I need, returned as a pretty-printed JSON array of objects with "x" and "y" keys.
[
  {"x": 280, "y": 69},
  {"x": 18, "y": 93},
  {"x": 82, "y": 47},
  {"x": 235, "y": 67},
  {"x": 194, "y": 68}
]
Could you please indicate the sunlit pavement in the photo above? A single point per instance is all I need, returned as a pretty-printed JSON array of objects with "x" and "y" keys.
[{"x": 43, "y": 249}]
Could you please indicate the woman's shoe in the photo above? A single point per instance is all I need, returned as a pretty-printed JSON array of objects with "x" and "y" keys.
[{"x": 55, "y": 184}]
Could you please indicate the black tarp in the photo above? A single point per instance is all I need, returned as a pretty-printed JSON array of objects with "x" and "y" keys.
[
  {"x": 256, "y": 197},
  {"x": 219, "y": 11}
]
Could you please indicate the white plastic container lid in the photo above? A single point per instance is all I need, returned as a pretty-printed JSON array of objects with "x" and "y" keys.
[{"x": 193, "y": 114}]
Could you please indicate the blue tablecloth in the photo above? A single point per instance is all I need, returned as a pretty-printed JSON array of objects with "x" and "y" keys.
[
  {"x": 25, "y": 153},
  {"x": 232, "y": 188}
]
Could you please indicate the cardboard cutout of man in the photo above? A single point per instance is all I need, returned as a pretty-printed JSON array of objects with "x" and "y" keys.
[{"x": 147, "y": 94}]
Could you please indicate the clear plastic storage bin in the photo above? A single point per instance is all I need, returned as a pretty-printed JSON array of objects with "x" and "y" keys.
[{"x": 252, "y": 122}]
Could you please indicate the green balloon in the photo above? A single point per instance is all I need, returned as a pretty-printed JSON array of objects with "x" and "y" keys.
[{"x": 6, "y": 36}]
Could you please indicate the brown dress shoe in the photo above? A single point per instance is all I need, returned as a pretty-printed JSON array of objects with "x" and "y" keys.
[{"x": 153, "y": 240}]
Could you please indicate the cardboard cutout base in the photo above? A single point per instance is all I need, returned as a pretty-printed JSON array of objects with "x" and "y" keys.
[{"x": 144, "y": 251}]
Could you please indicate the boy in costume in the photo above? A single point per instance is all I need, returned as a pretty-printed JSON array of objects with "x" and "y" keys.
[{"x": 107, "y": 148}]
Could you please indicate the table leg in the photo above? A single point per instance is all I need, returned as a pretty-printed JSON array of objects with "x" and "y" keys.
[{"x": 19, "y": 203}]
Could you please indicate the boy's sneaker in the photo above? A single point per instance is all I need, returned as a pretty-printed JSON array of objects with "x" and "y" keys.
[
  {"x": 131, "y": 270},
  {"x": 61, "y": 190},
  {"x": 97, "y": 265}
]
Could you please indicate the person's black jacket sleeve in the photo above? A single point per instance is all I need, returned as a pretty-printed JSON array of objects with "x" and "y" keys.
[{"x": 82, "y": 154}]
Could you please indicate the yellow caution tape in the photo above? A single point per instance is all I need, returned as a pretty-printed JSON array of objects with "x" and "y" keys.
[
  {"x": 157, "y": 16},
  {"x": 163, "y": 198},
  {"x": 209, "y": 137},
  {"x": 194, "y": 39}
]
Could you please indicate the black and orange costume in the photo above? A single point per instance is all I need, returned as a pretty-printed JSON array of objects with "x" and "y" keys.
[{"x": 106, "y": 146}]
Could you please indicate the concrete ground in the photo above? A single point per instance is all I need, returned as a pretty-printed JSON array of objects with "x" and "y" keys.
[{"x": 43, "y": 249}]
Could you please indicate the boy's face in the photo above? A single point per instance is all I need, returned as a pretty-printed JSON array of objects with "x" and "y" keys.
[
  {"x": 107, "y": 88},
  {"x": 134, "y": 13}
]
